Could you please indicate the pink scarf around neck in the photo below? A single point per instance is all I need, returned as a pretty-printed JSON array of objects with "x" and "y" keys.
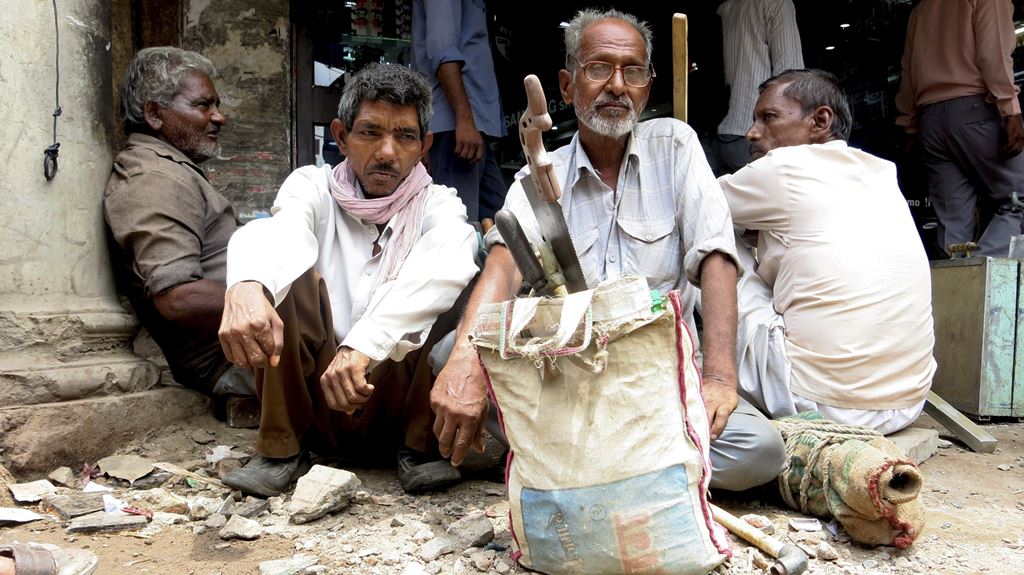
[{"x": 406, "y": 205}]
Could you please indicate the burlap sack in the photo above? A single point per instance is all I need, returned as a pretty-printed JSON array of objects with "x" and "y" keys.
[
  {"x": 853, "y": 474},
  {"x": 599, "y": 396}
]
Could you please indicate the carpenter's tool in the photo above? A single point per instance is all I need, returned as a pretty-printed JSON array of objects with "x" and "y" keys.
[
  {"x": 542, "y": 189},
  {"x": 517, "y": 243},
  {"x": 965, "y": 248},
  {"x": 790, "y": 559},
  {"x": 680, "y": 66}
]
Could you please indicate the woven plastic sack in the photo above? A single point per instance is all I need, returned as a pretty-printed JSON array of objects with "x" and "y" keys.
[{"x": 599, "y": 396}]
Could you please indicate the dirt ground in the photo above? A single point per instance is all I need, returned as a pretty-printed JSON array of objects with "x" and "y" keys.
[{"x": 975, "y": 524}]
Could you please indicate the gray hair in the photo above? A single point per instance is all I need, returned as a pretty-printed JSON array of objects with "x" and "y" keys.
[
  {"x": 812, "y": 89},
  {"x": 388, "y": 83},
  {"x": 156, "y": 75},
  {"x": 588, "y": 16}
]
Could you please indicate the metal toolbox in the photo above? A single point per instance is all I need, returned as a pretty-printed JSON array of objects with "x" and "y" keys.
[{"x": 979, "y": 335}]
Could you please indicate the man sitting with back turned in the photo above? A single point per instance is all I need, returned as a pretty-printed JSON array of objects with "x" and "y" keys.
[
  {"x": 837, "y": 317},
  {"x": 168, "y": 227},
  {"x": 367, "y": 255},
  {"x": 639, "y": 198}
]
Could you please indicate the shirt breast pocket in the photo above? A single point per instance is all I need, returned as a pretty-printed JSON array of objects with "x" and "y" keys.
[{"x": 651, "y": 248}]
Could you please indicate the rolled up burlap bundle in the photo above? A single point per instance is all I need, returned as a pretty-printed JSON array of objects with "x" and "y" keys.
[{"x": 853, "y": 474}]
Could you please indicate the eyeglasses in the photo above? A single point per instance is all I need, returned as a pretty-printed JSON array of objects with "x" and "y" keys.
[{"x": 598, "y": 71}]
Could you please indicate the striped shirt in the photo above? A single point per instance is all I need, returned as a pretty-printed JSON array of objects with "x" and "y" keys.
[
  {"x": 665, "y": 216},
  {"x": 760, "y": 40}
]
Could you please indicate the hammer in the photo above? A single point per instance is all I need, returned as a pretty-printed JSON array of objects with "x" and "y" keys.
[{"x": 790, "y": 559}]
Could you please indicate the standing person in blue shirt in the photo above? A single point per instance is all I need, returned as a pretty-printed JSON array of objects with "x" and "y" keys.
[{"x": 451, "y": 48}]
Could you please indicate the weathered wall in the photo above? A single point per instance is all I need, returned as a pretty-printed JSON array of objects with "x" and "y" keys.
[
  {"x": 65, "y": 341},
  {"x": 247, "y": 40}
]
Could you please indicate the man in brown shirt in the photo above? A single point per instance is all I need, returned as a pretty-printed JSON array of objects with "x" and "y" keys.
[
  {"x": 957, "y": 94},
  {"x": 168, "y": 227}
]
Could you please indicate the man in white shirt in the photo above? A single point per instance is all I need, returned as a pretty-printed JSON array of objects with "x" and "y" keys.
[
  {"x": 359, "y": 260},
  {"x": 638, "y": 199},
  {"x": 837, "y": 317}
]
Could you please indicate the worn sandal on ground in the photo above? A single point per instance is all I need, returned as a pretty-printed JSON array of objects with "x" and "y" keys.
[
  {"x": 45, "y": 559},
  {"x": 267, "y": 477},
  {"x": 417, "y": 472}
]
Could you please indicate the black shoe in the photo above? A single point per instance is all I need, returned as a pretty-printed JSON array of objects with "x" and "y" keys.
[
  {"x": 417, "y": 472},
  {"x": 267, "y": 477}
]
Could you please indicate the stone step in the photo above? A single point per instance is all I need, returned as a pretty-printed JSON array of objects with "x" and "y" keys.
[
  {"x": 39, "y": 438},
  {"x": 918, "y": 443},
  {"x": 29, "y": 378}
]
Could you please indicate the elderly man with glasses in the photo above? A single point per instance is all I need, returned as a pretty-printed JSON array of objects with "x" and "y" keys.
[{"x": 639, "y": 198}]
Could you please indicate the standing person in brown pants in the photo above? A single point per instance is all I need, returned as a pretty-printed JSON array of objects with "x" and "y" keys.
[{"x": 336, "y": 300}]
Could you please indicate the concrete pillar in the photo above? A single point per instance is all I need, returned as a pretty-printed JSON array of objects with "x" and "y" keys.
[{"x": 70, "y": 386}]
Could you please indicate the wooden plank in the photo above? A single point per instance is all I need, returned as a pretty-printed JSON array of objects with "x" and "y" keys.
[
  {"x": 172, "y": 468},
  {"x": 964, "y": 429},
  {"x": 680, "y": 66}
]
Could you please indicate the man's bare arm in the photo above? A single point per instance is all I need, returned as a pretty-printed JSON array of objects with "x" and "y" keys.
[
  {"x": 718, "y": 300},
  {"x": 459, "y": 397},
  {"x": 469, "y": 144},
  {"x": 196, "y": 304}
]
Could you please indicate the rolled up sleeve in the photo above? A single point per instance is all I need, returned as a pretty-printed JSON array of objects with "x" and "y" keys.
[
  {"x": 443, "y": 25},
  {"x": 159, "y": 221}
]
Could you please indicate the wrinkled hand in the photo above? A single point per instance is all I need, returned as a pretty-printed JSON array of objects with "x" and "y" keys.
[
  {"x": 344, "y": 383},
  {"x": 251, "y": 333},
  {"x": 469, "y": 144},
  {"x": 720, "y": 399},
  {"x": 1014, "y": 131},
  {"x": 459, "y": 400}
]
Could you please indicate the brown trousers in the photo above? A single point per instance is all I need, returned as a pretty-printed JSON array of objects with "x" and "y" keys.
[{"x": 295, "y": 412}]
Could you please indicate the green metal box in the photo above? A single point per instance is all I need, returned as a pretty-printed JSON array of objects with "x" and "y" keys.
[{"x": 979, "y": 331}]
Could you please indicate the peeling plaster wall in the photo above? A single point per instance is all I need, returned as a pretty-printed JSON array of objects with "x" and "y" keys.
[
  {"x": 52, "y": 233},
  {"x": 247, "y": 40}
]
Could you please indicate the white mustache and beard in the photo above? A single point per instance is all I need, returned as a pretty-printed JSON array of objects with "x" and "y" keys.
[{"x": 614, "y": 127}]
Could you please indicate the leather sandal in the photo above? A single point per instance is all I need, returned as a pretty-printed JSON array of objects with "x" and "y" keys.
[{"x": 44, "y": 559}]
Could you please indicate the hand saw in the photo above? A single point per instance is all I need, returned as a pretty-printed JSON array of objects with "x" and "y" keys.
[{"x": 542, "y": 188}]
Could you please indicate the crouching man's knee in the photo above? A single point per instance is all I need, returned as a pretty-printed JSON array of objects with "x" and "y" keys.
[{"x": 750, "y": 452}]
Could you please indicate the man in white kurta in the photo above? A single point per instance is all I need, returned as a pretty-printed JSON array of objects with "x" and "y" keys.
[
  {"x": 837, "y": 317},
  {"x": 335, "y": 300}
]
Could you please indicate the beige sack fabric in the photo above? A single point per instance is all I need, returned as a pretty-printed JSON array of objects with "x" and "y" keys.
[
  {"x": 599, "y": 396},
  {"x": 853, "y": 474}
]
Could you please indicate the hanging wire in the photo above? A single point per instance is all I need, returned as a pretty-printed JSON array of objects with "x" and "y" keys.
[{"x": 50, "y": 155}]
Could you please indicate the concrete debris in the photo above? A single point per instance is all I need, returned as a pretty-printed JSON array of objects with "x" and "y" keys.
[
  {"x": 824, "y": 551},
  {"x": 201, "y": 436},
  {"x": 103, "y": 521},
  {"x": 760, "y": 522},
  {"x": 298, "y": 563},
  {"x": 414, "y": 569},
  {"x": 161, "y": 518},
  {"x": 399, "y": 521},
  {"x": 321, "y": 491},
  {"x": 216, "y": 521},
  {"x": 482, "y": 560},
  {"x": 473, "y": 530},
  {"x": 65, "y": 477},
  {"x": 126, "y": 467},
  {"x": 202, "y": 507},
  {"x": 1004, "y": 467},
  {"x": 249, "y": 508},
  {"x": 32, "y": 491},
  {"x": 239, "y": 527},
  {"x": 73, "y": 504},
  {"x": 159, "y": 499},
  {"x": 435, "y": 548}
]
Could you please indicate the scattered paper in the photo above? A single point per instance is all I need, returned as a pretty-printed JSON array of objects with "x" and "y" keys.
[
  {"x": 111, "y": 503},
  {"x": 15, "y": 515},
  {"x": 32, "y": 491},
  {"x": 224, "y": 452},
  {"x": 93, "y": 487}
]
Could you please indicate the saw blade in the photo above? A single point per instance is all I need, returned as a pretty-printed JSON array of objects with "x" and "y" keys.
[{"x": 556, "y": 233}]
